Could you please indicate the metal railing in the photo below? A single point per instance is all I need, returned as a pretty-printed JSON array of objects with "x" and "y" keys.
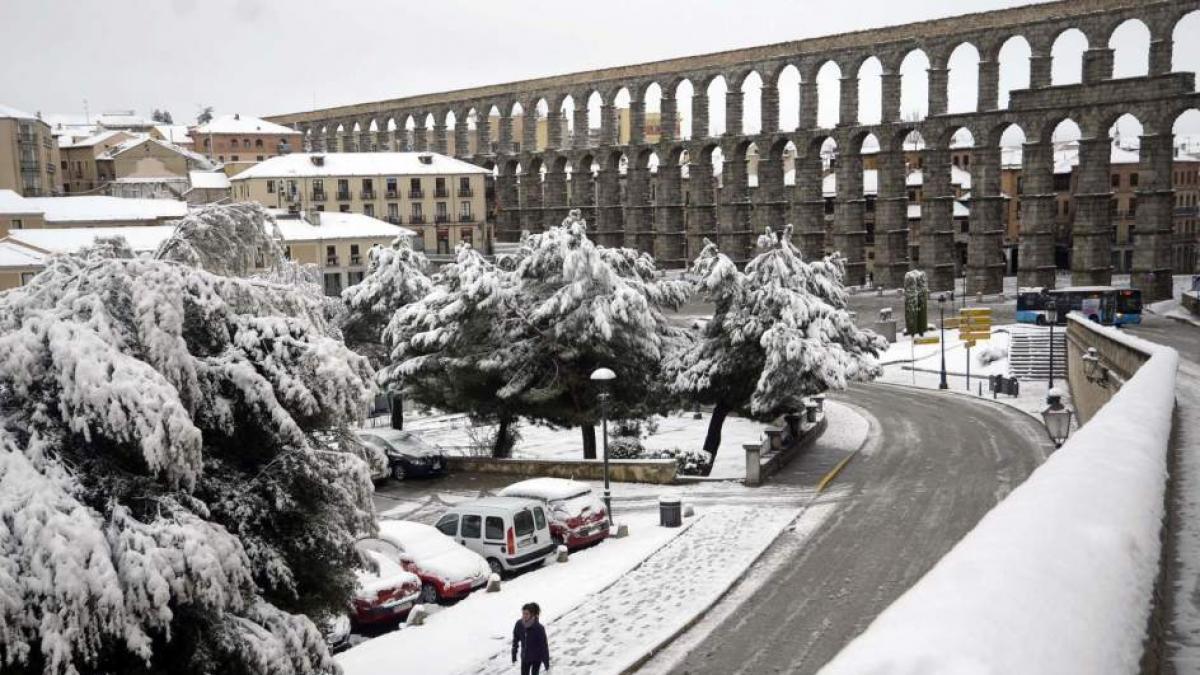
[
  {"x": 417, "y": 220},
  {"x": 343, "y": 195},
  {"x": 465, "y": 192},
  {"x": 441, "y": 218},
  {"x": 392, "y": 194},
  {"x": 441, "y": 193},
  {"x": 465, "y": 218},
  {"x": 367, "y": 195},
  {"x": 331, "y": 261},
  {"x": 395, "y": 220},
  {"x": 355, "y": 260},
  {"x": 416, "y": 194},
  {"x": 318, "y": 195}
]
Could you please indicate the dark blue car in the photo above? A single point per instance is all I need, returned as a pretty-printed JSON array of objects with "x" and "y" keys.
[{"x": 408, "y": 455}]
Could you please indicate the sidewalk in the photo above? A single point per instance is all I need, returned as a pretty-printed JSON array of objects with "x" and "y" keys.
[{"x": 617, "y": 626}]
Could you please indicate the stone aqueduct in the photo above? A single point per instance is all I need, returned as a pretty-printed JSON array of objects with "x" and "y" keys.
[{"x": 732, "y": 213}]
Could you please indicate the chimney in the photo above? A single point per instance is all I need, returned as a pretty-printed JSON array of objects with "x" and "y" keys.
[
  {"x": 312, "y": 215},
  {"x": 237, "y": 116},
  {"x": 317, "y": 159}
]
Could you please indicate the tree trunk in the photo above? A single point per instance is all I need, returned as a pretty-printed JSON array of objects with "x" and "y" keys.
[
  {"x": 502, "y": 448},
  {"x": 712, "y": 442},
  {"x": 397, "y": 406},
  {"x": 589, "y": 441}
]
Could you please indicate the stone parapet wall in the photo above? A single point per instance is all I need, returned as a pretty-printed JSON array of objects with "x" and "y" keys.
[
  {"x": 657, "y": 471},
  {"x": 1120, "y": 359}
]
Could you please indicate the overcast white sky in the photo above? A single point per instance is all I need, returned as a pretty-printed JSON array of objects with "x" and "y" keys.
[{"x": 260, "y": 57}]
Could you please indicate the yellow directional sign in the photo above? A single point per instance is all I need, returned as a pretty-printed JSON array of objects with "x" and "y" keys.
[
  {"x": 926, "y": 340},
  {"x": 971, "y": 337},
  {"x": 969, "y": 343},
  {"x": 976, "y": 311},
  {"x": 951, "y": 323}
]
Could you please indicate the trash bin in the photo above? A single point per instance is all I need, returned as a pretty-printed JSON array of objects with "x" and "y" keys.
[{"x": 670, "y": 512}]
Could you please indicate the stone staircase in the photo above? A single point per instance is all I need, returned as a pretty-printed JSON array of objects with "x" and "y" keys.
[{"x": 1029, "y": 353}]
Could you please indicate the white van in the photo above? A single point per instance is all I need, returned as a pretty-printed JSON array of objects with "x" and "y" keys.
[{"x": 509, "y": 532}]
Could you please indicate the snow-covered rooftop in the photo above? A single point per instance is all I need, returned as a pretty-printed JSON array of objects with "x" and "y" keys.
[
  {"x": 101, "y": 208},
  {"x": 95, "y": 139},
  {"x": 241, "y": 124},
  {"x": 13, "y": 203},
  {"x": 13, "y": 254},
  {"x": 174, "y": 133},
  {"x": 337, "y": 225},
  {"x": 6, "y": 111},
  {"x": 301, "y": 164},
  {"x": 141, "y": 238},
  {"x": 208, "y": 180}
]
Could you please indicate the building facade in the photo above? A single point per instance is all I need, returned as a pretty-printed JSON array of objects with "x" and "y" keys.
[
  {"x": 440, "y": 198},
  {"x": 81, "y": 168},
  {"x": 28, "y": 154},
  {"x": 238, "y": 142}
]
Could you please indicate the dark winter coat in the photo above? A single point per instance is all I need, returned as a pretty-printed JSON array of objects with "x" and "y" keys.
[{"x": 532, "y": 641}]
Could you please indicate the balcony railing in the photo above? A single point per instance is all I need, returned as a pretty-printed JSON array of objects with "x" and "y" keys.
[
  {"x": 416, "y": 194},
  {"x": 291, "y": 196},
  {"x": 465, "y": 218},
  {"x": 441, "y": 218},
  {"x": 343, "y": 195},
  {"x": 355, "y": 260},
  {"x": 331, "y": 261},
  {"x": 417, "y": 220},
  {"x": 441, "y": 193},
  {"x": 464, "y": 192},
  {"x": 367, "y": 195},
  {"x": 395, "y": 220},
  {"x": 29, "y": 165},
  {"x": 392, "y": 194},
  {"x": 26, "y": 138},
  {"x": 318, "y": 195}
]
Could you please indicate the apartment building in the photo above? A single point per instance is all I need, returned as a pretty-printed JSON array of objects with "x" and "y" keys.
[
  {"x": 28, "y": 154},
  {"x": 80, "y": 161},
  {"x": 440, "y": 198},
  {"x": 241, "y": 141}
]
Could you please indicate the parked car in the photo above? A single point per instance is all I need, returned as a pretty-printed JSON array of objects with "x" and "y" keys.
[
  {"x": 374, "y": 457},
  {"x": 577, "y": 516},
  {"x": 385, "y": 595},
  {"x": 336, "y": 630},
  {"x": 447, "y": 571},
  {"x": 510, "y": 533},
  {"x": 408, "y": 456}
]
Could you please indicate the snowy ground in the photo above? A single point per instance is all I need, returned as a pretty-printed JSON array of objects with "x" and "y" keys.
[
  {"x": 901, "y": 368},
  {"x": 455, "y": 433}
]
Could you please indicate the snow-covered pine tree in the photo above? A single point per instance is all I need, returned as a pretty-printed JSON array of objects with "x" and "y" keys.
[
  {"x": 229, "y": 239},
  {"x": 164, "y": 505},
  {"x": 578, "y": 307},
  {"x": 450, "y": 348},
  {"x": 780, "y": 331},
  {"x": 916, "y": 303},
  {"x": 396, "y": 275}
]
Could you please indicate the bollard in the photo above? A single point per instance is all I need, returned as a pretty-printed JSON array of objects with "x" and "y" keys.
[
  {"x": 493, "y": 585},
  {"x": 563, "y": 554},
  {"x": 622, "y": 532},
  {"x": 670, "y": 511},
  {"x": 753, "y": 464},
  {"x": 688, "y": 511},
  {"x": 416, "y": 616}
]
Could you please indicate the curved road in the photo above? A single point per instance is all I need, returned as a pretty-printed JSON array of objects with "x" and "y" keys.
[{"x": 932, "y": 467}]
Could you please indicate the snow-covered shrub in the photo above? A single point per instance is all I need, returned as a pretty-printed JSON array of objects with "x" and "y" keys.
[
  {"x": 625, "y": 447},
  {"x": 689, "y": 462},
  {"x": 164, "y": 506},
  {"x": 990, "y": 353}
]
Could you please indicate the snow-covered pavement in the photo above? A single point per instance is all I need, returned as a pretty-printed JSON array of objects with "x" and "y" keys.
[{"x": 615, "y": 628}]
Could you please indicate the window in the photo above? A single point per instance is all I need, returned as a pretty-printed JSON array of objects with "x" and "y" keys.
[
  {"x": 966, "y": 160},
  {"x": 259, "y": 158},
  {"x": 393, "y": 212},
  {"x": 466, "y": 235},
  {"x": 464, "y": 210},
  {"x": 1133, "y": 179},
  {"x": 1133, "y": 206},
  {"x": 1116, "y": 180},
  {"x": 233, "y": 143},
  {"x": 355, "y": 258},
  {"x": 414, "y": 188},
  {"x": 439, "y": 188},
  {"x": 258, "y": 143},
  {"x": 523, "y": 522},
  {"x": 440, "y": 211},
  {"x": 333, "y": 284},
  {"x": 233, "y": 158},
  {"x": 291, "y": 186},
  {"x": 246, "y": 142},
  {"x": 471, "y": 527},
  {"x": 354, "y": 278},
  {"x": 343, "y": 208},
  {"x": 27, "y": 277},
  {"x": 368, "y": 186},
  {"x": 17, "y": 224},
  {"x": 448, "y": 524},
  {"x": 464, "y": 185},
  {"x": 493, "y": 528},
  {"x": 539, "y": 517},
  {"x": 391, "y": 187},
  {"x": 416, "y": 211},
  {"x": 343, "y": 188},
  {"x": 331, "y": 255},
  {"x": 287, "y": 252},
  {"x": 369, "y": 210},
  {"x": 270, "y": 187}
]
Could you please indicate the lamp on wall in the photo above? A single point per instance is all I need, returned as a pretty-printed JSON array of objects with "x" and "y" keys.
[{"x": 1092, "y": 370}]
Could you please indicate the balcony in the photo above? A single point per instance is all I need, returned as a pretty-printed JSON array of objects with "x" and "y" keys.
[
  {"x": 441, "y": 193},
  {"x": 417, "y": 220},
  {"x": 29, "y": 164},
  {"x": 291, "y": 196},
  {"x": 465, "y": 192},
  {"x": 26, "y": 138},
  {"x": 367, "y": 195},
  {"x": 392, "y": 194},
  {"x": 343, "y": 195},
  {"x": 318, "y": 196},
  {"x": 395, "y": 220},
  {"x": 355, "y": 259},
  {"x": 331, "y": 261},
  {"x": 441, "y": 218},
  {"x": 416, "y": 194},
  {"x": 465, "y": 218}
]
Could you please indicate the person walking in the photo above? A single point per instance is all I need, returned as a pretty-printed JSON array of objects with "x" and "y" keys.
[{"x": 530, "y": 636}]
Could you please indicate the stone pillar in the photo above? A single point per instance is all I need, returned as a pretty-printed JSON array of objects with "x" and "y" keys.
[
  {"x": 849, "y": 230},
  {"x": 532, "y": 213},
  {"x": 554, "y": 191},
  {"x": 939, "y": 78},
  {"x": 439, "y": 138},
  {"x": 937, "y": 221},
  {"x": 668, "y": 118},
  {"x": 508, "y": 215},
  {"x": 529, "y": 125},
  {"x": 1154, "y": 219},
  {"x": 989, "y": 85},
  {"x": 609, "y": 129},
  {"x": 554, "y": 129},
  {"x": 505, "y": 144},
  {"x": 702, "y": 216},
  {"x": 1097, "y": 65},
  {"x": 985, "y": 247},
  {"x": 317, "y": 143},
  {"x": 423, "y": 139},
  {"x": 1092, "y": 231},
  {"x": 383, "y": 141},
  {"x": 349, "y": 142},
  {"x": 366, "y": 141},
  {"x": 734, "y": 99},
  {"x": 583, "y": 194},
  {"x": 700, "y": 115},
  {"x": 809, "y": 103},
  {"x": 332, "y": 144},
  {"x": 580, "y": 139},
  {"x": 1035, "y": 268},
  {"x": 811, "y": 232},
  {"x": 770, "y": 199},
  {"x": 848, "y": 103},
  {"x": 669, "y": 231},
  {"x": 483, "y": 133},
  {"x": 637, "y": 122},
  {"x": 639, "y": 210},
  {"x": 462, "y": 143},
  {"x": 1039, "y": 70},
  {"x": 891, "y": 221},
  {"x": 737, "y": 234},
  {"x": 1160, "y": 56},
  {"x": 610, "y": 218},
  {"x": 890, "y": 85},
  {"x": 770, "y": 108}
]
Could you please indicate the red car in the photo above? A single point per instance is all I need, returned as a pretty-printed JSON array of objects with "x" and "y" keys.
[
  {"x": 577, "y": 516},
  {"x": 447, "y": 570},
  {"x": 386, "y": 595}
]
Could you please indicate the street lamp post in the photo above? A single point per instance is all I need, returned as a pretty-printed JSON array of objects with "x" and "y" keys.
[
  {"x": 1057, "y": 418},
  {"x": 942, "y": 316},
  {"x": 1052, "y": 317},
  {"x": 602, "y": 377}
]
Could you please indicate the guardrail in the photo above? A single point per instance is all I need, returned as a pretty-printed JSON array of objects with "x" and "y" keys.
[{"x": 1061, "y": 575}]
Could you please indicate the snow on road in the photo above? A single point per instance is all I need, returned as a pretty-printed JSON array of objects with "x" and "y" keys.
[{"x": 611, "y": 631}]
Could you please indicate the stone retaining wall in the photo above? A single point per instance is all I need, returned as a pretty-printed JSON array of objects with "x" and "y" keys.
[
  {"x": 659, "y": 471},
  {"x": 1191, "y": 302},
  {"x": 1119, "y": 359}
]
